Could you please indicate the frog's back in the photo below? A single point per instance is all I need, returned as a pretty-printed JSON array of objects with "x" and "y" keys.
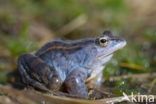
[
  {"x": 65, "y": 56},
  {"x": 64, "y": 46}
]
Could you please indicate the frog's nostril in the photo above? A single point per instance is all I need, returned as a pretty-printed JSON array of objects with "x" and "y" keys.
[{"x": 120, "y": 43}]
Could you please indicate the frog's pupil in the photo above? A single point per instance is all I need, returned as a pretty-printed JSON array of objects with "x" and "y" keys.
[{"x": 103, "y": 40}]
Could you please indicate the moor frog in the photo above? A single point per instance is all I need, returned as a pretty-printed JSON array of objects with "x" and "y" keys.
[{"x": 68, "y": 64}]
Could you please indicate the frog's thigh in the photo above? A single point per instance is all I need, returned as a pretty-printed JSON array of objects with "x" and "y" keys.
[
  {"x": 75, "y": 83},
  {"x": 33, "y": 71}
]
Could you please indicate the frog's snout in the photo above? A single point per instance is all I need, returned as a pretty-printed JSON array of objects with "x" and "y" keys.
[{"x": 122, "y": 43}]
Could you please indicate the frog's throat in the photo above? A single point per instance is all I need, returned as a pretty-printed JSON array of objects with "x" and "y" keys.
[{"x": 99, "y": 68}]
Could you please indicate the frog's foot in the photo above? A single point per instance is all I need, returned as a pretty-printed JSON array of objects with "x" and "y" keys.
[
  {"x": 75, "y": 83},
  {"x": 34, "y": 72}
]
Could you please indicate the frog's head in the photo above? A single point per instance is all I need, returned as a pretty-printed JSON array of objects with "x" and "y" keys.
[{"x": 105, "y": 45}]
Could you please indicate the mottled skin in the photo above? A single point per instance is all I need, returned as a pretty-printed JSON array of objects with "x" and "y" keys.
[{"x": 68, "y": 65}]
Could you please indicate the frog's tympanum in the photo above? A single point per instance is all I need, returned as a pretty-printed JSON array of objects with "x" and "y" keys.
[{"x": 68, "y": 64}]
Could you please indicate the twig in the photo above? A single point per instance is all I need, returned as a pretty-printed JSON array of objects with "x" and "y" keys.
[
  {"x": 74, "y": 24},
  {"x": 152, "y": 85},
  {"x": 129, "y": 98},
  {"x": 134, "y": 76}
]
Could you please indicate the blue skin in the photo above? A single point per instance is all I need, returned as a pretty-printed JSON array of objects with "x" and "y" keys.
[{"x": 68, "y": 65}]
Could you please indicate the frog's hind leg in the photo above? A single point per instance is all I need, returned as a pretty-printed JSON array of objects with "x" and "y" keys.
[
  {"x": 75, "y": 83},
  {"x": 26, "y": 79},
  {"x": 34, "y": 72}
]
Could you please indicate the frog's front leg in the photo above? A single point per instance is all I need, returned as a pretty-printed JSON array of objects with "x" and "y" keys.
[
  {"x": 75, "y": 83},
  {"x": 35, "y": 72}
]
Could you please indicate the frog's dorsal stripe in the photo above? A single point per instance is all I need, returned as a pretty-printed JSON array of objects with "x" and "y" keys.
[{"x": 65, "y": 45}]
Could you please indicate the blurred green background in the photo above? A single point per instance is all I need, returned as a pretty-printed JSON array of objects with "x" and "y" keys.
[{"x": 25, "y": 25}]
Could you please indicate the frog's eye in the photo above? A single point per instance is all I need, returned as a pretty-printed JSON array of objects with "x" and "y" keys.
[{"x": 103, "y": 42}]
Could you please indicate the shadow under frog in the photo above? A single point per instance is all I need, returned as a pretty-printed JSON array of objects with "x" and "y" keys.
[{"x": 69, "y": 65}]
